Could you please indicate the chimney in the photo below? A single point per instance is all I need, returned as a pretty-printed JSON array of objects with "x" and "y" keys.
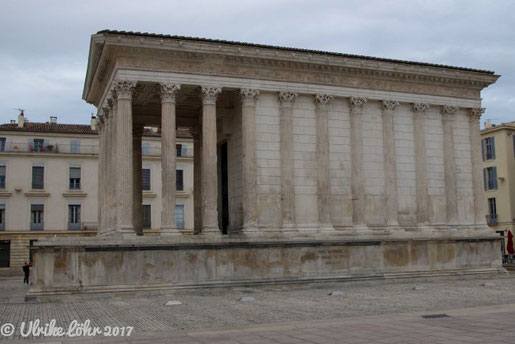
[
  {"x": 53, "y": 120},
  {"x": 488, "y": 124},
  {"x": 21, "y": 119},
  {"x": 93, "y": 122}
]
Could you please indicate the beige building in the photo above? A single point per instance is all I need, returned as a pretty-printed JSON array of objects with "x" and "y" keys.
[
  {"x": 49, "y": 184},
  {"x": 498, "y": 150}
]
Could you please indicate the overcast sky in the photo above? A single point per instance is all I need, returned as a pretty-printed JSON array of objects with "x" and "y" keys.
[{"x": 44, "y": 44}]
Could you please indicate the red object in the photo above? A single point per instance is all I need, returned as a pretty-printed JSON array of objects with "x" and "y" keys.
[{"x": 510, "y": 243}]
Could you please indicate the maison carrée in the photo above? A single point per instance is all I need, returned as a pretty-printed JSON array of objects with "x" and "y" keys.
[{"x": 308, "y": 165}]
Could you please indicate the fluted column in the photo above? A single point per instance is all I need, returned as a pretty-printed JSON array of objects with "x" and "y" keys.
[
  {"x": 390, "y": 164},
  {"x": 124, "y": 157},
  {"x": 286, "y": 101},
  {"x": 248, "y": 128},
  {"x": 209, "y": 161},
  {"x": 357, "y": 177},
  {"x": 451, "y": 196},
  {"x": 324, "y": 192},
  {"x": 168, "y": 157},
  {"x": 101, "y": 176},
  {"x": 419, "y": 111},
  {"x": 137, "y": 195},
  {"x": 197, "y": 181},
  {"x": 477, "y": 166}
]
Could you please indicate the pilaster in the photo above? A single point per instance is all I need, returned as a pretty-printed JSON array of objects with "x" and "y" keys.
[
  {"x": 477, "y": 166},
  {"x": 419, "y": 119},
  {"x": 390, "y": 163},
  {"x": 448, "y": 114},
  {"x": 357, "y": 177}
]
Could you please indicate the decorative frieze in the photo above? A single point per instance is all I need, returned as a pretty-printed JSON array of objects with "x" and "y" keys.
[
  {"x": 169, "y": 91},
  {"x": 210, "y": 94}
]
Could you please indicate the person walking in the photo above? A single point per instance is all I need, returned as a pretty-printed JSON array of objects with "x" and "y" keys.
[{"x": 26, "y": 270}]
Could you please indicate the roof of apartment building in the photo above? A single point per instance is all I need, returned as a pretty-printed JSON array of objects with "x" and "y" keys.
[
  {"x": 489, "y": 127},
  {"x": 81, "y": 129}
]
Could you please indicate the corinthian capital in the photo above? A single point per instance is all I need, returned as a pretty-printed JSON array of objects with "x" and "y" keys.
[
  {"x": 420, "y": 107},
  {"x": 168, "y": 91},
  {"x": 475, "y": 114},
  {"x": 124, "y": 88},
  {"x": 322, "y": 100},
  {"x": 390, "y": 105},
  {"x": 357, "y": 102},
  {"x": 249, "y": 96},
  {"x": 210, "y": 94},
  {"x": 448, "y": 112},
  {"x": 287, "y": 98}
]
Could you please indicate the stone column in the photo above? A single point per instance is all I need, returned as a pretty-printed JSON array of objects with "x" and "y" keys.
[
  {"x": 209, "y": 161},
  {"x": 324, "y": 192},
  {"x": 249, "y": 173},
  {"x": 168, "y": 157},
  {"x": 477, "y": 166},
  {"x": 137, "y": 199},
  {"x": 101, "y": 176},
  {"x": 451, "y": 195},
  {"x": 197, "y": 181},
  {"x": 124, "y": 157},
  {"x": 286, "y": 100},
  {"x": 108, "y": 191},
  {"x": 390, "y": 164},
  {"x": 419, "y": 110},
  {"x": 357, "y": 177}
]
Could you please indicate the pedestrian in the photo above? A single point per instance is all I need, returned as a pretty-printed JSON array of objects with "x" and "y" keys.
[{"x": 26, "y": 270}]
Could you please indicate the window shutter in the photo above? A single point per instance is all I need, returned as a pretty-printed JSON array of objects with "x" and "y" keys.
[
  {"x": 493, "y": 147},
  {"x": 179, "y": 180},
  {"x": 494, "y": 177},
  {"x": 145, "y": 175},
  {"x": 38, "y": 176},
  {"x": 75, "y": 172},
  {"x": 484, "y": 179}
]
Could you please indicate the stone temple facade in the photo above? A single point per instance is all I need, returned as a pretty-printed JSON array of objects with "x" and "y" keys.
[{"x": 316, "y": 165}]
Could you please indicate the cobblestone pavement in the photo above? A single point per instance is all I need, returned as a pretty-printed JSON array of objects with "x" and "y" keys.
[{"x": 250, "y": 322}]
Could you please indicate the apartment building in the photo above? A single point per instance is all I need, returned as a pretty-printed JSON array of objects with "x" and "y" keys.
[{"x": 49, "y": 184}]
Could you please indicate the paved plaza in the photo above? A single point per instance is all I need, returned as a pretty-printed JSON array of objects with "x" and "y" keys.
[{"x": 477, "y": 309}]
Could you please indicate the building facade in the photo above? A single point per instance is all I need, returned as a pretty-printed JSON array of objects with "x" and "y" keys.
[
  {"x": 311, "y": 165},
  {"x": 49, "y": 184},
  {"x": 498, "y": 153}
]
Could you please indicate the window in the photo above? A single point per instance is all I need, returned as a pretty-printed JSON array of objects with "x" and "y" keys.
[
  {"x": 2, "y": 217},
  {"x": 2, "y": 176},
  {"x": 490, "y": 178},
  {"x": 181, "y": 150},
  {"x": 145, "y": 179},
  {"x": 74, "y": 178},
  {"x": 38, "y": 176},
  {"x": 2, "y": 144},
  {"x": 74, "y": 216},
  {"x": 147, "y": 216},
  {"x": 5, "y": 253},
  {"x": 145, "y": 149},
  {"x": 36, "y": 217},
  {"x": 488, "y": 148},
  {"x": 179, "y": 216},
  {"x": 39, "y": 145},
  {"x": 491, "y": 218},
  {"x": 179, "y": 180},
  {"x": 75, "y": 146}
]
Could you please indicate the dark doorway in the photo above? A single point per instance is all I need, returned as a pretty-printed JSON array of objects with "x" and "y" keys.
[
  {"x": 225, "y": 187},
  {"x": 5, "y": 253}
]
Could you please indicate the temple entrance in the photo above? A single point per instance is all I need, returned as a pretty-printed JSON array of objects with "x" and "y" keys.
[{"x": 224, "y": 189}]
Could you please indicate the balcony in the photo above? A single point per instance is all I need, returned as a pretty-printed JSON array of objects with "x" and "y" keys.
[
  {"x": 49, "y": 148},
  {"x": 492, "y": 219}
]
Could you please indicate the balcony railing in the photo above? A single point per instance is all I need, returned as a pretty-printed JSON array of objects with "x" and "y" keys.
[
  {"x": 492, "y": 219},
  {"x": 156, "y": 151},
  {"x": 49, "y": 148}
]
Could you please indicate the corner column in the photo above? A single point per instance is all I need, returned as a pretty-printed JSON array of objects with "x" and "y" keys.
[
  {"x": 477, "y": 166},
  {"x": 390, "y": 164},
  {"x": 419, "y": 111},
  {"x": 168, "y": 158},
  {"x": 357, "y": 177},
  {"x": 451, "y": 195},
  {"x": 322, "y": 131},
  {"x": 249, "y": 184},
  {"x": 286, "y": 101},
  {"x": 101, "y": 177},
  {"x": 137, "y": 195},
  {"x": 209, "y": 161},
  {"x": 124, "y": 158}
]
